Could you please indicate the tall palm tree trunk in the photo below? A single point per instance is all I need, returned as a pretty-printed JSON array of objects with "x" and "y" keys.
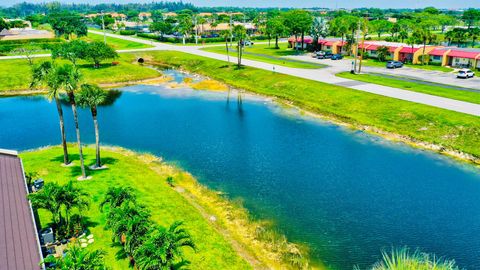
[
  {"x": 66, "y": 161},
  {"x": 77, "y": 129},
  {"x": 97, "y": 137}
]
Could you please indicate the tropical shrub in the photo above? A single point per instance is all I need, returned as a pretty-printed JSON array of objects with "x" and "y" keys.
[
  {"x": 77, "y": 258},
  {"x": 404, "y": 259}
]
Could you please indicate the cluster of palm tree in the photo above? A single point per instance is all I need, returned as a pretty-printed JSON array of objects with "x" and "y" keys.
[
  {"x": 77, "y": 258},
  {"x": 66, "y": 79},
  {"x": 62, "y": 201},
  {"x": 147, "y": 245}
]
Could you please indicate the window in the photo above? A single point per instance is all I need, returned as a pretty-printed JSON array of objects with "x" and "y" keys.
[{"x": 437, "y": 57}]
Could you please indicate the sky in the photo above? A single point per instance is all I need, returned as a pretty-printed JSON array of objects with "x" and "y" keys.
[{"x": 450, "y": 4}]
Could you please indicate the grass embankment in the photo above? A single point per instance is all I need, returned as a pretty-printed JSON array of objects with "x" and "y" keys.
[
  {"x": 225, "y": 236},
  {"x": 377, "y": 63},
  {"x": 447, "y": 129},
  {"x": 263, "y": 53},
  {"x": 148, "y": 178},
  {"x": 426, "y": 88},
  {"x": 15, "y": 74},
  {"x": 116, "y": 43}
]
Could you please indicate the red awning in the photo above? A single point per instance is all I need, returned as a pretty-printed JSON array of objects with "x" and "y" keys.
[
  {"x": 437, "y": 52},
  {"x": 329, "y": 43},
  {"x": 463, "y": 54},
  {"x": 322, "y": 41},
  {"x": 409, "y": 50}
]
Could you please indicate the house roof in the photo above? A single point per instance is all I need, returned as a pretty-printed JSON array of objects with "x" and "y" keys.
[
  {"x": 409, "y": 50},
  {"x": 464, "y": 53},
  {"x": 19, "y": 245},
  {"x": 438, "y": 52}
]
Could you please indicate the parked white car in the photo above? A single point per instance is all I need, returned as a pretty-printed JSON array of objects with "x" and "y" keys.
[{"x": 465, "y": 73}]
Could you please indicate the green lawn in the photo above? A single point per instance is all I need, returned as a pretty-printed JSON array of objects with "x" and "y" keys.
[
  {"x": 15, "y": 73},
  {"x": 376, "y": 63},
  {"x": 116, "y": 43},
  {"x": 428, "y": 124},
  {"x": 148, "y": 178},
  {"x": 436, "y": 90},
  {"x": 263, "y": 53}
]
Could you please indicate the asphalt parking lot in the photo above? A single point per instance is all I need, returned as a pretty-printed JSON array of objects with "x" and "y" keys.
[{"x": 439, "y": 77}]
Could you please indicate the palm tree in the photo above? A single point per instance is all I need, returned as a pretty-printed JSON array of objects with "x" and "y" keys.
[
  {"x": 69, "y": 78},
  {"x": 92, "y": 96},
  {"x": 240, "y": 34},
  {"x": 382, "y": 53},
  {"x": 78, "y": 258},
  {"x": 163, "y": 249},
  {"x": 118, "y": 219},
  {"x": 116, "y": 196},
  {"x": 226, "y": 35},
  {"x": 403, "y": 34},
  {"x": 44, "y": 74},
  {"x": 50, "y": 199},
  {"x": 73, "y": 197}
]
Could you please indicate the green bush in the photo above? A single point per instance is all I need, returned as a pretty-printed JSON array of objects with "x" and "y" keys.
[{"x": 127, "y": 32}]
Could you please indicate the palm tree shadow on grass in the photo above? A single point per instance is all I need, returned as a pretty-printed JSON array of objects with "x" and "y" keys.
[{"x": 72, "y": 157}]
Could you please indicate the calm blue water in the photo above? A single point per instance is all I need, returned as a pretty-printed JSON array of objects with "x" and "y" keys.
[{"x": 348, "y": 195}]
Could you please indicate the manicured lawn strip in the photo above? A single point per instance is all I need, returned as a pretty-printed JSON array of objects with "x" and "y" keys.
[
  {"x": 428, "y": 124},
  {"x": 413, "y": 86},
  {"x": 116, "y": 43},
  {"x": 15, "y": 74},
  {"x": 261, "y": 52},
  {"x": 165, "y": 204},
  {"x": 376, "y": 63}
]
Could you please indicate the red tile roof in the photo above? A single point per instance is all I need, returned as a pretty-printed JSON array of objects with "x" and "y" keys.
[
  {"x": 438, "y": 52},
  {"x": 409, "y": 50},
  {"x": 329, "y": 43},
  {"x": 19, "y": 249},
  {"x": 464, "y": 54}
]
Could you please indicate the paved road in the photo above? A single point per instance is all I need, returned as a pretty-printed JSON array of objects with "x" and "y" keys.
[{"x": 326, "y": 75}]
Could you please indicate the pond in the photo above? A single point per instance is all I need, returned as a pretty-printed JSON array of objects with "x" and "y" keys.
[{"x": 348, "y": 195}]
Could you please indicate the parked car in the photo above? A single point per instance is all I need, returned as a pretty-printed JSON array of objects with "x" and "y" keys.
[
  {"x": 324, "y": 55},
  {"x": 247, "y": 43},
  {"x": 394, "y": 64},
  {"x": 465, "y": 73},
  {"x": 337, "y": 56}
]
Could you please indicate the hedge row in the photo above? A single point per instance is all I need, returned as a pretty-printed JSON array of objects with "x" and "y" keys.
[
  {"x": 191, "y": 39},
  {"x": 127, "y": 32}
]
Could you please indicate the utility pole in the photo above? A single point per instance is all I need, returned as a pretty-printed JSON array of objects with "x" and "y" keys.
[
  {"x": 364, "y": 33},
  {"x": 356, "y": 48},
  {"x": 103, "y": 28}
]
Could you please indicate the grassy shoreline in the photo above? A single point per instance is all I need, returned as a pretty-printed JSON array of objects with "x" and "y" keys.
[
  {"x": 436, "y": 90},
  {"x": 446, "y": 132},
  {"x": 225, "y": 234}
]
